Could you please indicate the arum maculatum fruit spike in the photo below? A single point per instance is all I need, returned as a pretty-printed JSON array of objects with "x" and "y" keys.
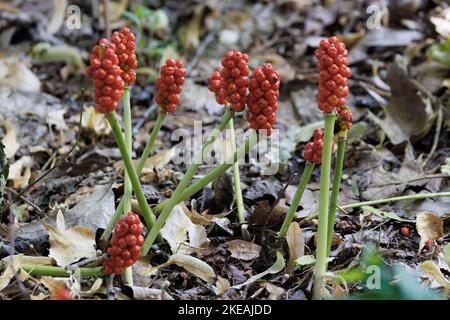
[
  {"x": 313, "y": 150},
  {"x": 346, "y": 118},
  {"x": 334, "y": 74},
  {"x": 126, "y": 244},
  {"x": 106, "y": 74},
  {"x": 263, "y": 98},
  {"x": 230, "y": 83},
  {"x": 169, "y": 85},
  {"x": 124, "y": 40}
]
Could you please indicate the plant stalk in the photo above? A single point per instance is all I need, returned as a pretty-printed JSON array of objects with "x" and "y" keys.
[
  {"x": 321, "y": 250},
  {"x": 306, "y": 175},
  {"x": 237, "y": 177},
  {"x": 342, "y": 142},
  {"x": 176, "y": 196},
  {"x": 128, "y": 272},
  {"x": 140, "y": 196},
  {"x": 61, "y": 272},
  {"x": 139, "y": 166}
]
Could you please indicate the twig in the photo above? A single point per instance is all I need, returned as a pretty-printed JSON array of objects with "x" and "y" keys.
[
  {"x": 64, "y": 157},
  {"x": 86, "y": 262},
  {"x": 39, "y": 210},
  {"x": 436, "y": 136}
]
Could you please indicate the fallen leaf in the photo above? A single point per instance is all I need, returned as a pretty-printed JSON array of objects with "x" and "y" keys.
[
  {"x": 296, "y": 244},
  {"x": 194, "y": 265},
  {"x": 95, "y": 121},
  {"x": 14, "y": 74},
  {"x": 429, "y": 226},
  {"x": 275, "y": 268},
  {"x": 156, "y": 162},
  {"x": 20, "y": 172},
  {"x": 10, "y": 140},
  {"x": 243, "y": 250},
  {"x": 305, "y": 261},
  {"x": 274, "y": 291},
  {"x": 222, "y": 285},
  {"x": 264, "y": 214},
  {"x": 69, "y": 245},
  {"x": 57, "y": 19},
  {"x": 432, "y": 269},
  {"x": 382, "y": 214},
  {"x": 12, "y": 266},
  {"x": 189, "y": 34},
  {"x": 142, "y": 293}
]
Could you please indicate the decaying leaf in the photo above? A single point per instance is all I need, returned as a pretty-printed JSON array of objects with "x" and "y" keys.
[
  {"x": 305, "y": 260},
  {"x": 12, "y": 266},
  {"x": 274, "y": 291},
  {"x": 20, "y": 172},
  {"x": 432, "y": 269},
  {"x": 243, "y": 250},
  {"x": 296, "y": 244},
  {"x": 264, "y": 214},
  {"x": 194, "y": 265},
  {"x": 14, "y": 74},
  {"x": 95, "y": 121},
  {"x": 275, "y": 268},
  {"x": 429, "y": 226},
  {"x": 141, "y": 293},
  {"x": 10, "y": 139},
  {"x": 156, "y": 162},
  {"x": 59, "y": 10},
  {"x": 69, "y": 245},
  {"x": 222, "y": 285}
]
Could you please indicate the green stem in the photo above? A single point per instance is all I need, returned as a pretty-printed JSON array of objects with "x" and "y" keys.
[
  {"x": 213, "y": 174},
  {"x": 336, "y": 186},
  {"x": 140, "y": 165},
  {"x": 142, "y": 201},
  {"x": 237, "y": 177},
  {"x": 306, "y": 175},
  {"x": 61, "y": 272},
  {"x": 128, "y": 272},
  {"x": 176, "y": 196},
  {"x": 321, "y": 249}
]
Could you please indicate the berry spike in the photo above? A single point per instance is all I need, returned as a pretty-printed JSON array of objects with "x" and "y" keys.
[
  {"x": 126, "y": 244},
  {"x": 106, "y": 74},
  {"x": 262, "y": 100},
  {"x": 313, "y": 150},
  {"x": 124, "y": 41},
  {"x": 333, "y": 74},
  {"x": 169, "y": 85}
]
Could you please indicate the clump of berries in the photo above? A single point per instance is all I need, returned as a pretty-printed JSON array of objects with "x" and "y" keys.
[
  {"x": 106, "y": 74},
  {"x": 169, "y": 85},
  {"x": 230, "y": 83},
  {"x": 125, "y": 50},
  {"x": 346, "y": 118},
  {"x": 126, "y": 244},
  {"x": 262, "y": 101},
  {"x": 333, "y": 76},
  {"x": 313, "y": 150}
]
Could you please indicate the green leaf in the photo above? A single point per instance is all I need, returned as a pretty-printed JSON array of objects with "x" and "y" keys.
[
  {"x": 305, "y": 261},
  {"x": 440, "y": 52},
  {"x": 382, "y": 214}
]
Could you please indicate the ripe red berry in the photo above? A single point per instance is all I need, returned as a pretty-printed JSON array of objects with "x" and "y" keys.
[
  {"x": 333, "y": 75},
  {"x": 313, "y": 150},
  {"x": 126, "y": 244},
  {"x": 169, "y": 85},
  {"x": 106, "y": 74},
  {"x": 262, "y": 100},
  {"x": 404, "y": 231},
  {"x": 62, "y": 294},
  {"x": 428, "y": 243},
  {"x": 125, "y": 50}
]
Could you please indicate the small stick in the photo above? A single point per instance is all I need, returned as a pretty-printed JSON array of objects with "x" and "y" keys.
[{"x": 85, "y": 262}]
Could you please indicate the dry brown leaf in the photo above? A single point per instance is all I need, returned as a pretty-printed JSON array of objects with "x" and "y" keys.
[
  {"x": 243, "y": 250},
  {"x": 156, "y": 162},
  {"x": 14, "y": 74},
  {"x": 95, "y": 121},
  {"x": 10, "y": 140},
  {"x": 194, "y": 265},
  {"x": 69, "y": 245},
  {"x": 432, "y": 269},
  {"x": 54, "y": 285},
  {"x": 263, "y": 214},
  {"x": 13, "y": 264},
  {"x": 274, "y": 291},
  {"x": 20, "y": 172},
  {"x": 429, "y": 226},
  {"x": 222, "y": 285},
  {"x": 296, "y": 244}
]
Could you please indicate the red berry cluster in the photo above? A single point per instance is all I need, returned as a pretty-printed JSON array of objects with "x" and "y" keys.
[
  {"x": 125, "y": 50},
  {"x": 169, "y": 85},
  {"x": 334, "y": 74},
  {"x": 346, "y": 118},
  {"x": 313, "y": 150},
  {"x": 262, "y": 102},
  {"x": 230, "y": 83},
  {"x": 126, "y": 244},
  {"x": 106, "y": 75}
]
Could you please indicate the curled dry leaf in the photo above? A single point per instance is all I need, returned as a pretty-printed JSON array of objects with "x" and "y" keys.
[
  {"x": 296, "y": 244},
  {"x": 95, "y": 121},
  {"x": 432, "y": 269},
  {"x": 243, "y": 250},
  {"x": 69, "y": 245},
  {"x": 20, "y": 172},
  {"x": 275, "y": 268},
  {"x": 429, "y": 226},
  {"x": 57, "y": 20},
  {"x": 264, "y": 214},
  {"x": 194, "y": 265},
  {"x": 222, "y": 285}
]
